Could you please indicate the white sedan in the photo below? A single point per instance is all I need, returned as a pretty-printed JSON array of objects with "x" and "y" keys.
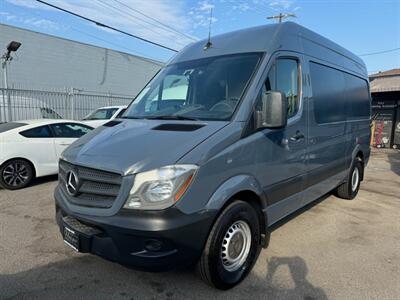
[
  {"x": 31, "y": 148},
  {"x": 104, "y": 114}
]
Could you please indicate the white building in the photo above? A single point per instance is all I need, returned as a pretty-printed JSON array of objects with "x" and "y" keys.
[{"x": 48, "y": 62}]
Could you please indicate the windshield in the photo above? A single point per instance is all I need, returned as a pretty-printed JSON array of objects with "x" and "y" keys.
[
  {"x": 48, "y": 113},
  {"x": 101, "y": 114},
  {"x": 204, "y": 89}
]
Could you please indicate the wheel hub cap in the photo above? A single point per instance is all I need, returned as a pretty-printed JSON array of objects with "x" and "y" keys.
[
  {"x": 15, "y": 174},
  {"x": 354, "y": 179},
  {"x": 236, "y": 246}
]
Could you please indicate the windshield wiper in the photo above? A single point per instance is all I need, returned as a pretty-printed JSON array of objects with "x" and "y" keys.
[{"x": 171, "y": 117}]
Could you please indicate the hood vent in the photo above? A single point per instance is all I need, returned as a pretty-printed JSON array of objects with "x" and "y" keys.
[
  {"x": 178, "y": 127},
  {"x": 112, "y": 123}
]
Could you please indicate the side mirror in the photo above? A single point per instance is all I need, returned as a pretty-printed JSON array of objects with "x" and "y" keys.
[{"x": 273, "y": 112}]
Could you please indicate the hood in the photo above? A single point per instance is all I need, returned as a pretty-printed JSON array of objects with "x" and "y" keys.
[{"x": 132, "y": 146}]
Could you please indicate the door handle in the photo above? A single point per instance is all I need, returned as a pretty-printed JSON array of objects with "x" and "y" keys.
[
  {"x": 297, "y": 137},
  {"x": 65, "y": 144}
]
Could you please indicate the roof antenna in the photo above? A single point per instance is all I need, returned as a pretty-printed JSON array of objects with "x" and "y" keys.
[
  {"x": 209, "y": 44},
  {"x": 281, "y": 17}
]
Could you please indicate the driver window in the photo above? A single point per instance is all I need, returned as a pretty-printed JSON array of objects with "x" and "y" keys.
[{"x": 283, "y": 77}]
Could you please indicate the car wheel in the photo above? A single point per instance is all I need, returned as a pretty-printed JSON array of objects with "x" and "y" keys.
[
  {"x": 16, "y": 174},
  {"x": 349, "y": 189},
  {"x": 232, "y": 246}
]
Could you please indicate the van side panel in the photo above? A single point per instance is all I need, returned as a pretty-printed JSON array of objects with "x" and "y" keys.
[
  {"x": 339, "y": 114},
  {"x": 358, "y": 130},
  {"x": 327, "y": 120}
]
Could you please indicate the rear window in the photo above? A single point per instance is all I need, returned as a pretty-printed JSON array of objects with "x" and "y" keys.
[
  {"x": 37, "y": 132},
  {"x": 358, "y": 97},
  {"x": 9, "y": 126}
]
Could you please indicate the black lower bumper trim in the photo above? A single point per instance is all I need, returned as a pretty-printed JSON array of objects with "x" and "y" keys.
[{"x": 154, "y": 241}]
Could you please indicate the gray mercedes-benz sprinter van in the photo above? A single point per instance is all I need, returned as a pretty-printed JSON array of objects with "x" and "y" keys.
[{"x": 226, "y": 140}]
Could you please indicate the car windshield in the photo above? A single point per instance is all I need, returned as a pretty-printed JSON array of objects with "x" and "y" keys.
[
  {"x": 204, "y": 89},
  {"x": 101, "y": 114},
  {"x": 48, "y": 113}
]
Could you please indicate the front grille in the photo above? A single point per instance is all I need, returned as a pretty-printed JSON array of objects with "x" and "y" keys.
[
  {"x": 78, "y": 226},
  {"x": 96, "y": 188}
]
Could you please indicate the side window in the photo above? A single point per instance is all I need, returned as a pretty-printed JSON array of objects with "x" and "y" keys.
[
  {"x": 69, "y": 130},
  {"x": 328, "y": 94},
  {"x": 284, "y": 77},
  {"x": 38, "y": 132}
]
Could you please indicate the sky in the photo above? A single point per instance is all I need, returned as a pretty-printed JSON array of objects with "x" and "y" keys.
[{"x": 361, "y": 26}]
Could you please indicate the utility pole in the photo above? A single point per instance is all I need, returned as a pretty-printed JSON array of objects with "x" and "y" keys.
[
  {"x": 281, "y": 17},
  {"x": 7, "y": 58}
]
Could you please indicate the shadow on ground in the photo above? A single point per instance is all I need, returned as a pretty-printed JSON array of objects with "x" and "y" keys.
[
  {"x": 394, "y": 160},
  {"x": 40, "y": 180},
  {"x": 88, "y": 277}
]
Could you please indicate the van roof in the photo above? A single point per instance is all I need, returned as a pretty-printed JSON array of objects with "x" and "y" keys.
[{"x": 273, "y": 37}]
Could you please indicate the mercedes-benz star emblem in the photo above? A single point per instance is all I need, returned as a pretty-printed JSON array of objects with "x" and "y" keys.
[{"x": 72, "y": 184}]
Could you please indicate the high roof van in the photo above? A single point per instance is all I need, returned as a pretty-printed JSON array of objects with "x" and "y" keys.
[{"x": 231, "y": 136}]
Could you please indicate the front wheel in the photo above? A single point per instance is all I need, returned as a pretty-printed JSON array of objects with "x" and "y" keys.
[
  {"x": 232, "y": 246},
  {"x": 16, "y": 174}
]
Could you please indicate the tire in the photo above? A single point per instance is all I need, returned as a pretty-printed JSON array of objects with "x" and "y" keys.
[
  {"x": 16, "y": 174},
  {"x": 215, "y": 267},
  {"x": 349, "y": 189}
]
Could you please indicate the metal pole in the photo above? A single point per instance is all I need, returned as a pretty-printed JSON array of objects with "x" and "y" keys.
[
  {"x": 5, "y": 75},
  {"x": 72, "y": 104}
]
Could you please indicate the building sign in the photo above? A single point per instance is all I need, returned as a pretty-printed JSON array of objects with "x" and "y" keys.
[{"x": 384, "y": 104}]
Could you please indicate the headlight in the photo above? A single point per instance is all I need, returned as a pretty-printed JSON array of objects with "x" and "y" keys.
[{"x": 160, "y": 188}]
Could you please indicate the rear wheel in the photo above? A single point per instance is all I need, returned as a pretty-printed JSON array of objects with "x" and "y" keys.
[
  {"x": 349, "y": 189},
  {"x": 16, "y": 174},
  {"x": 232, "y": 246}
]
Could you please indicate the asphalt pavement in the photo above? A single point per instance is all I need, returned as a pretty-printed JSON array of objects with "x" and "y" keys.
[{"x": 332, "y": 249}]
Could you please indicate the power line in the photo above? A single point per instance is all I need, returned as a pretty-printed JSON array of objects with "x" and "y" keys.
[
  {"x": 133, "y": 17},
  {"x": 135, "y": 20},
  {"x": 107, "y": 26},
  {"x": 155, "y": 20},
  {"x": 380, "y": 52},
  {"x": 134, "y": 52}
]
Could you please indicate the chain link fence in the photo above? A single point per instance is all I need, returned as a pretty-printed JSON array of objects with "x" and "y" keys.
[{"x": 22, "y": 104}]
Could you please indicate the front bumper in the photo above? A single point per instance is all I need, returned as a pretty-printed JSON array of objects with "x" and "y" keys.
[{"x": 143, "y": 240}]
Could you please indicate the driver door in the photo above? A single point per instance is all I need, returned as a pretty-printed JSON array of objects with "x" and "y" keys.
[{"x": 281, "y": 153}]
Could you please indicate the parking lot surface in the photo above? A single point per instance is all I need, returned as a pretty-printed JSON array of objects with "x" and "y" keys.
[{"x": 332, "y": 249}]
